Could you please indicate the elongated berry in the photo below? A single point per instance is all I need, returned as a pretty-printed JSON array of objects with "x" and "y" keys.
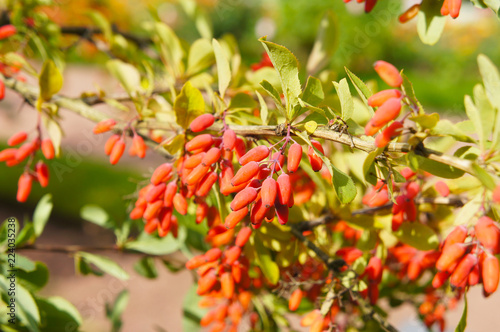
[
  {"x": 211, "y": 157},
  {"x": 227, "y": 285},
  {"x": 490, "y": 273},
  {"x": 180, "y": 204},
  {"x": 371, "y": 129},
  {"x": 457, "y": 235},
  {"x": 256, "y": 154},
  {"x": 7, "y": 31},
  {"x": 239, "y": 147},
  {"x": 282, "y": 213},
  {"x": 232, "y": 254},
  {"x": 295, "y": 299},
  {"x": 206, "y": 184},
  {"x": 25, "y": 150},
  {"x": 388, "y": 73},
  {"x": 463, "y": 269},
  {"x": 374, "y": 269},
  {"x": 284, "y": 186},
  {"x": 235, "y": 217},
  {"x": 152, "y": 210},
  {"x": 387, "y": 112},
  {"x": 381, "y": 97},
  {"x": 294, "y": 157},
  {"x": 454, "y": 6},
  {"x": 442, "y": 188},
  {"x": 8, "y": 154},
  {"x": 197, "y": 174},
  {"x": 202, "y": 122},
  {"x": 315, "y": 160},
  {"x": 117, "y": 152},
  {"x": 245, "y": 173},
  {"x": 199, "y": 142},
  {"x": 488, "y": 234},
  {"x": 229, "y": 139},
  {"x": 24, "y": 187},
  {"x": 17, "y": 138},
  {"x": 243, "y": 236},
  {"x": 2, "y": 90},
  {"x": 137, "y": 212},
  {"x": 42, "y": 173},
  {"x": 268, "y": 192},
  {"x": 258, "y": 212},
  {"x": 388, "y": 134},
  {"x": 201, "y": 212},
  {"x": 409, "y": 13},
  {"x": 139, "y": 146},
  {"x": 155, "y": 193},
  {"x": 212, "y": 254},
  {"x": 243, "y": 198},
  {"x": 161, "y": 173},
  {"x": 104, "y": 126},
  {"x": 439, "y": 279},
  {"x": 206, "y": 283},
  {"x": 369, "y": 4},
  {"x": 108, "y": 147},
  {"x": 445, "y": 8}
]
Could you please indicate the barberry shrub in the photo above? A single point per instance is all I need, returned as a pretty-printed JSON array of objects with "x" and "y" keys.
[{"x": 284, "y": 196}]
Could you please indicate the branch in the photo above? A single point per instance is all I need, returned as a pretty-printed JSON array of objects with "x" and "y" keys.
[{"x": 89, "y": 31}]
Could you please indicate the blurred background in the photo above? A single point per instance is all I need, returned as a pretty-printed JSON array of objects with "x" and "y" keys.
[{"x": 442, "y": 74}]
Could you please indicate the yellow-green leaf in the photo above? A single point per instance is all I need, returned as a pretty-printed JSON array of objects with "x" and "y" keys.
[
  {"x": 188, "y": 105},
  {"x": 50, "y": 80}
]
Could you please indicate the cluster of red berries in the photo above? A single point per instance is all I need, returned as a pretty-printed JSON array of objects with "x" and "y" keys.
[
  {"x": 27, "y": 152},
  {"x": 115, "y": 145},
  {"x": 224, "y": 282},
  {"x": 9, "y": 70},
  {"x": 467, "y": 263},
  {"x": 388, "y": 103}
]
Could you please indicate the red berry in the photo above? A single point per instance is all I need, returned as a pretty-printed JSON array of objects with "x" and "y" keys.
[
  {"x": 202, "y": 122},
  {"x": 388, "y": 73}
]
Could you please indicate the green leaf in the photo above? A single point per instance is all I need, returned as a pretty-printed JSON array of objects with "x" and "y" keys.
[
  {"x": 170, "y": 47},
  {"x": 462, "y": 324},
  {"x": 475, "y": 117},
  {"x": 191, "y": 312},
  {"x": 363, "y": 90},
  {"x": 264, "y": 111},
  {"x": 146, "y": 267},
  {"x": 274, "y": 94},
  {"x": 491, "y": 77},
  {"x": 345, "y": 97},
  {"x": 482, "y": 175},
  {"x": 429, "y": 27},
  {"x": 369, "y": 170},
  {"x": 201, "y": 56},
  {"x": 267, "y": 264},
  {"x": 24, "y": 263},
  {"x": 486, "y": 110},
  {"x": 126, "y": 74},
  {"x": 152, "y": 245},
  {"x": 105, "y": 264},
  {"x": 95, "y": 214},
  {"x": 446, "y": 128},
  {"x": 410, "y": 93},
  {"x": 287, "y": 66},
  {"x": 115, "y": 312},
  {"x": 435, "y": 168},
  {"x": 426, "y": 121},
  {"x": 58, "y": 314},
  {"x": 188, "y": 105},
  {"x": 242, "y": 101},
  {"x": 313, "y": 92},
  {"x": 27, "y": 234},
  {"x": 42, "y": 213},
  {"x": 468, "y": 211},
  {"x": 102, "y": 23},
  {"x": 417, "y": 235},
  {"x": 327, "y": 41},
  {"x": 50, "y": 80},
  {"x": 223, "y": 69},
  {"x": 36, "y": 279}
]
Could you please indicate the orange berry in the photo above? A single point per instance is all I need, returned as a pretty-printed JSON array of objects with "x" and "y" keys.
[
  {"x": 195, "y": 262},
  {"x": 474, "y": 276},
  {"x": 445, "y": 8},
  {"x": 374, "y": 269},
  {"x": 258, "y": 213},
  {"x": 108, "y": 147},
  {"x": 243, "y": 236},
  {"x": 450, "y": 255},
  {"x": 268, "y": 192},
  {"x": 294, "y": 157},
  {"x": 151, "y": 225},
  {"x": 388, "y": 73},
  {"x": 206, "y": 184},
  {"x": 155, "y": 193},
  {"x": 139, "y": 146},
  {"x": 25, "y": 150},
  {"x": 152, "y": 210},
  {"x": 454, "y": 6},
  {"x": 284, "y": 188},
  {"x": 211, "y": 157},
  {"x": 208, "y": 318},
  {"x": 414, "y": 269},
  {"x": 381, "y": 97},
  {"x": 42, "y": 173},
  {"x": 197, "y": 174},
  {"x": 387, "y": 112},
  {"x": 490, "y": 272},
  {"x": 194, "y": 160},
  {"x": 349, "y": 254},
  {"x": 457, "y": 235},
  {"x": 315, "y": 161},
  {"x": 371, "y": 129},
  {"x": 8, "y": 154},
  {"x": 488, "y": 234},
  {"x": 235, "y": 217},
  {"x": 439, "y": 279},
  {"x": 243, "y": 198},
  {"x": 2, "y": 90},
  {"x": 202, "y": 122},
  {"x": 282, "y": 213},
  {"x": 201, "y": 212},
  {"x": 309, "y": 318},
  {"x": 232, "y": 254},
  {"x": 213, "y": 254},
  {"x": 388, "y": 134},
  {"x": 104, "y": 126},
  {"x": 24, "y": 187},
  {"x": 180, "y": 204},
  {"x": 199, "y": 142},
  {"x": 295, "y": 299},
  {"x": 227, "y": 285},
  {"x": 463, "y": 269},
  {"x": 117, "y": 152},
  {"x": 239, "y": 147},
  {"x": 137, "y": 212},
  {"x": 442, "y": 188},
  {"x": 409, "y": 13},
  {"x": 207, "y": 283},
  {"x": 170, "y": 191},
  {"x": 161, "y": 174},
  {"x": 17, "y": 138},
  {"x": 229, "y": 139},
  {"x": 256, "y": 154},
  {"x": 7, "y": 31},
  {"x": 245, "y": 173},
  {"x": 496, "y": 194}
]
